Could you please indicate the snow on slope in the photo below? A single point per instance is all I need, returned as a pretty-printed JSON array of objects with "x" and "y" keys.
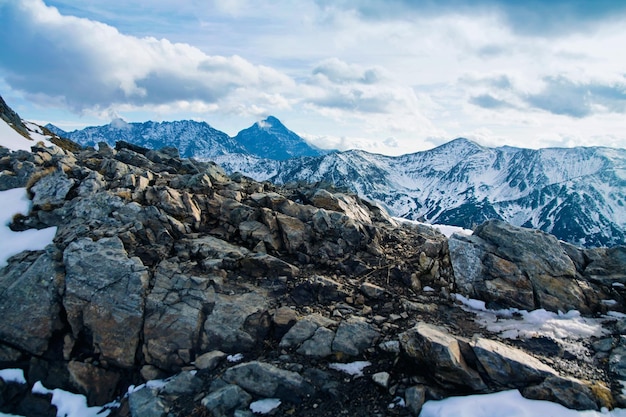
[
  {"x": 578, "y": 194},
  {"x": 12, "y": 140}
]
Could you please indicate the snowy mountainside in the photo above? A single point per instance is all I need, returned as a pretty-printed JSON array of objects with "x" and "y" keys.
[
  {"x": 577, "y": 194},
  {"x": 270, "y": 139},
  {"x": 193, "y": 139}
]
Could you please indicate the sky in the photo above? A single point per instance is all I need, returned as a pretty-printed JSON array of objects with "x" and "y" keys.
[{"x": 391, "y": 77}]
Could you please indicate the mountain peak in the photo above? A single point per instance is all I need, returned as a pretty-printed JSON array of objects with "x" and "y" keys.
[
  {"x": 119, "y": 123},
  {"x": 269, "y": 138}
]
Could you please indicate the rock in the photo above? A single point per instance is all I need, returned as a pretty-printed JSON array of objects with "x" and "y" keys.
[
  {"x": 224, "y": 328},
  {"x": 175, "y": 313},
  {"x": 268, "y": 381},
  {"x": 97, "y": 384},
  {"x": 570, "y": 392},
  {"x": 51, "y": 190},
  {"x": 30, "y": 301},
  {"x": 282, "y": 319},
  {"x": 415, "y": 397},
  {"x": 510, "y": 266},
  {"x": 104, "y": 291},
  {"x": 441, "y": 353},
  {"x": 146, "y": 403},
  {"x": 264, "y": 265},
  {"x": 184, "y": 383},
  {"x": 209, "y": 360},
  {"x": 226, "y": 399},
  {"x": 381, "y": 379},
  {"x": 354, "y": 336},
  {"x": 509, "y": 367},
  {"x": 319, "y": 345},
  {"x": 371, "y": 290},
  {"x": 301, "y": 331},
  {"x": 318, "y": 289}
]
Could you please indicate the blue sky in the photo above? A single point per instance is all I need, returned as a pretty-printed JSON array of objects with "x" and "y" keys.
[{"x": 391, "y": 77}]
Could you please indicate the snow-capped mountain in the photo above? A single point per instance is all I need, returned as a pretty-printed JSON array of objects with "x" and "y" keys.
[
  {"x": 270, "y": 139},
  {"x": 193, "y": 139},
  {"x": 577, "y": 194}
]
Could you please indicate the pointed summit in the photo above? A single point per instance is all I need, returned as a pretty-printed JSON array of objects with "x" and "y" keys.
[{"x": 270, "y": 139}]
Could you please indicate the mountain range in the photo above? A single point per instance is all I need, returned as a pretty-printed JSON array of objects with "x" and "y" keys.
[{"x": 577, "y": 194}]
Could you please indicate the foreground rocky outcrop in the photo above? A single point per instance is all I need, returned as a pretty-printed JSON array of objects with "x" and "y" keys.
[{"x": 238, "y": 290}]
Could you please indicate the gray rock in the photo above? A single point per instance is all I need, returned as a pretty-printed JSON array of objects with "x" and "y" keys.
[
  {"x": 100, "y": 277},
  {"x": 319, "y": 345},
  {"x": 225, "y": 328},
  {"x": 509, "y": 367},
  {"x": 51, "y": 190},
  {"x": 175, "y": 314},
  {"x": 29, "y": 301},
  {"x": 146, "y": 403},
  {"x": 441, "y": 353},
  {"x": 415, "y": 397},
  {"x": 381, "y": 379},
  {"x": 264, "y": 265},
  {"x": 183, "y": 383},
  {"x": 266, "y": 380},
  {"x": 354, "y": 336},
  {"x": 226, "y": 399},
  {"x": 298, "y": 333}
]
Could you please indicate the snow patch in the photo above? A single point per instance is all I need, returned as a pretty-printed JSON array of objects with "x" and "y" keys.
[
  {"x": 237, "y": 357},
  {"x": 68, "y": 404},
  {"x": 12, "y": 140},
  {"x": 13, "y": 375},
  {"x": 11, "y": 243},
  {"x": 505, "y": 403},
  {"x": 352, "y": 368},
  {"x": 264, "y": 406}
]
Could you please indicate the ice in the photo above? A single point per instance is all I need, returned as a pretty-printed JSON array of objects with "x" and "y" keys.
[
  {"x": 505, "y": 404},
  {"x": 264, "y": 406},
  {"x": 68, "y": 404},
  {"x": 11, "y": 243},
  {"x": 352, "y": 368},
  {"x": 13, "y": 375}
]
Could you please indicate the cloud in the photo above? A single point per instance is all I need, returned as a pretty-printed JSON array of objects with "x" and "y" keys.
[
  {"x": 340, "y": 72},
  {"x": 88, "y": 65},
  {"x": 579, "y": 99},
  {"x": 528, "y": 18},
  {"x": 488, "y": 101}
]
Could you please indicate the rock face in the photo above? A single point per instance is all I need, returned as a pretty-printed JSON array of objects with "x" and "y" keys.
[
  {"x": 510, "y": 266},
  {"x": 241, "y": 290}
]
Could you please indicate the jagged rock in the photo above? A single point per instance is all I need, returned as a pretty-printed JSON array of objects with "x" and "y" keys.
[
  {"x": 508, "y": 367},
  {"x": 30, "y": 302},
  {"x": 354, "y": 336},
  {"x": 51, "y": 190},
  {"x": 303, "y": 330},
  {"x": 510, "y": 266},
  {"x": 97, "y": 384},
  {"x": 104, "y": 291},
  {"x": 226, "y": 399},
  {"x": 174, "y": 315},
  {"x": 183, "y": 383},
  {"x": 382, "y": 379},
  {"x": 226, "y": 327},
  {"x": 269, "y": 381},
  {"x": 441, "y": 353},
  {"x": 342, "y": 203},
  {"x": 264, "y": 265},
  {"x": 569, "y": 392},
  {"x": 318, "y": 345},
  {"x": 145, "y": 402}
]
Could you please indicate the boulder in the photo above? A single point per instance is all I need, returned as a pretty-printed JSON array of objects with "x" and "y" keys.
[
  {"x": 354, "y": 335},
  {"x": 570, "y": 392},
  {"x": 104, "y": 297},
  {"x": 51, "y": 190},
  {"x": 319, "y": 345},
  {"x": 267, "y": 380},
  {"x": 440, "y": 352}
]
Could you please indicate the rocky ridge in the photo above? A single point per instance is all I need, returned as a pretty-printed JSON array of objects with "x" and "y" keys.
[{"x": 237, "y": 290}]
